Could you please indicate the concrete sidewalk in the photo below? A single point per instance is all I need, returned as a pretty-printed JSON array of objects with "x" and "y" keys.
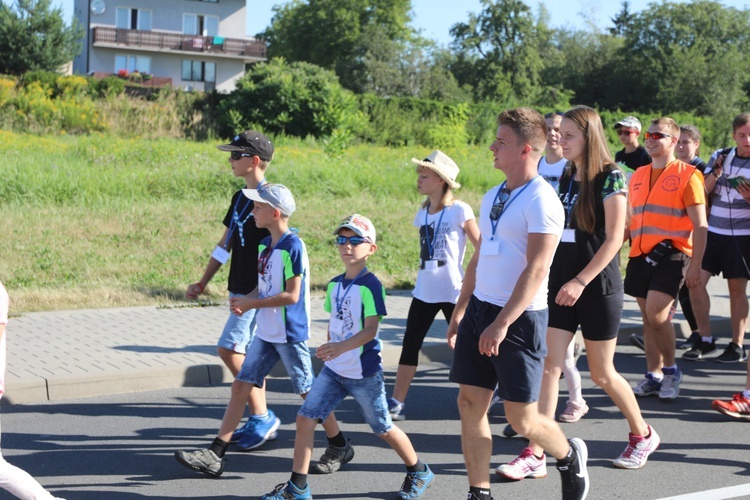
[{"x": 71, "y": 354}]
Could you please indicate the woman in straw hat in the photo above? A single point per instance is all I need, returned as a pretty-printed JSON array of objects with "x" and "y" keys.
[{"x": 444, "y": 225}]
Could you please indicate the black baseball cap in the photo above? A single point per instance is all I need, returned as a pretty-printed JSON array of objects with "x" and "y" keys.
[{"x": 251, "y": 142}]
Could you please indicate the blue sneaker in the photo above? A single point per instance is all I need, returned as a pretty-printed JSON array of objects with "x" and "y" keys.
[
  {"x": 647, "y": 387},
  {"x": 259, "y": 430},
  {"x": 670, "y": 386},
  {"x": 236, "y": 435},
  {"x": 396, "y": 409},
  {"x": 416, "y": 483},
  {"x": 288, "y": 490}
]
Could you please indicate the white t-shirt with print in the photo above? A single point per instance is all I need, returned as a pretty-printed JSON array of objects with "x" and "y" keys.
[
  {"x": 551, "y": 172},
  {"x": 535, "y": 209},
  {"x": 4, "y": 303},
  {"x": 441, "y": 280}
]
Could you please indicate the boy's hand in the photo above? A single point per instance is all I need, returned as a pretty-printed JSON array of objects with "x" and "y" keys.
[
  {"x": 238, "y": 305},
  {"x": 193, "y": 291},
  {"x": 330, "y": 351}
]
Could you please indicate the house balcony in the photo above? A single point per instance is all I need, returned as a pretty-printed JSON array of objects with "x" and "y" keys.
[{"x": 154, "y": 41}]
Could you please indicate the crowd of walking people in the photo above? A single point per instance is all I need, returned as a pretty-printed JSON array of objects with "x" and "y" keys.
[{"x": 546, "y": 262}]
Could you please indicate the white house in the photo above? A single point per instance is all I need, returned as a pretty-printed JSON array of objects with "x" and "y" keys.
[{"x": 199, "y": 44}]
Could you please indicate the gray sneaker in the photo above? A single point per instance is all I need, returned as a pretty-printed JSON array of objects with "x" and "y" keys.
[
  {"x": 333, "y": 458},
  {"x": 670, "y": 385},
  {"x": 647, "y": 387},
  {"x": 732, "y": 354},
  {"x": 205, "y": 461}
]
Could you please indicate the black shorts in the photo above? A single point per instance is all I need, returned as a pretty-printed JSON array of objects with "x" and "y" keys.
[
  {"x": 598, "y": 315},
  {"x": 728, "y": 255},
  {"x": 517, "y": 369},
  {"x": 666, "y": 277}
]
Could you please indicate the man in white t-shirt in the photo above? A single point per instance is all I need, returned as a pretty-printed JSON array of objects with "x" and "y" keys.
[
  {"x": 15, "y": 481},
  {"x": 552, "y": 163},
  {"x": 499, "y": 324}
]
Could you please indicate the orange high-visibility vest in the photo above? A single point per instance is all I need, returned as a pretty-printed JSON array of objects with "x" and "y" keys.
[{"x": 659, "y": 212}]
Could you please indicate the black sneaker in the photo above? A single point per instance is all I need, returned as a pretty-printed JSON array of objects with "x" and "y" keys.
[
  {"x": 700, "y": 349},
  {"x": 689, "y": 342},
  {"x": 637, "y": 340},
  {"x": 509, "y": 432},
  {"x": 575, "y": 475},
  {"x": 732, "y": 354},
  {"x": 333, "y": 458},
  {"x": 472, "y": 496},
  {"x": 205, "y": 461}
]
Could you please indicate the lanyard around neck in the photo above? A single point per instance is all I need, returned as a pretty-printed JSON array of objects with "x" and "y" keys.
[
  {"x": 265, "y": 256},
  {"x": 238, "y": 222},
  {"x": 431, "y": 242},
  {"x": 495, "y": 222},
  {"x": 340, "y": 301}
]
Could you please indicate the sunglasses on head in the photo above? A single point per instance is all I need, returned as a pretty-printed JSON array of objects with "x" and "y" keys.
[
  {"x": 354, "y": 240},
  {"x": 655, "y": 135},
  {"x": 236, "y": 155},
  {"x": 624, "y": 131},
  {"x": 499, "y": 205}
]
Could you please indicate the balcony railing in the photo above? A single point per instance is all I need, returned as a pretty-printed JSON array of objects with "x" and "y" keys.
[{"x": 174, "y": 41}]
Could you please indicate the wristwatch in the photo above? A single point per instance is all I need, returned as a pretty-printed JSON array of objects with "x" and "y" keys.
[{"x": 713, "y": 172}]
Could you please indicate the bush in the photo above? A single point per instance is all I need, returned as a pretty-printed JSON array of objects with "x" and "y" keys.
[{"x": 107, "y": 86}]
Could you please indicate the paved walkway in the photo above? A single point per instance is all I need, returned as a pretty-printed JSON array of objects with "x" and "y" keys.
[{"x": 67, "y": 354}]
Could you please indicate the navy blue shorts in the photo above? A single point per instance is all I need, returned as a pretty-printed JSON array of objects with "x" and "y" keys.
[{"x": 517, "y": 369}]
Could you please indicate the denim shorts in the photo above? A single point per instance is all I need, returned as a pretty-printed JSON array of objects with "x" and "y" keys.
[
  {"x": 262, "y": 356},
  {"x": 331, "y": 388},
  {"x": 519, "y": 365},
  {"x": 239, "y": 330}
]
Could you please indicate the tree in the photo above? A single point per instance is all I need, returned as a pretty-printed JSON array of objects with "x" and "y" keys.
[
  {"x": 685, "y": 57},
  {"x": 33, "y": 36},
  {"x": 497, "y": 51},
  {"x": 335, "y": 34},
  {"x": 621, "y": 21},
  {"x": 296, "y": 98}
]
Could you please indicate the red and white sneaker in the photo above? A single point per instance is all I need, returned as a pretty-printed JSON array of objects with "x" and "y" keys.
[
  {"x": 638, "y": 450},
  {"x": 525, "y": 465},
  {"x": 738, "y": 407}
]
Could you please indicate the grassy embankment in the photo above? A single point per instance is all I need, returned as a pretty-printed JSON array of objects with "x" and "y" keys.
[{"x": 99, "y": 221}]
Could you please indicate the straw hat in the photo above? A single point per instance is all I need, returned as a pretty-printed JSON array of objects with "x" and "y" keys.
[{"x": 441, "y": 164}]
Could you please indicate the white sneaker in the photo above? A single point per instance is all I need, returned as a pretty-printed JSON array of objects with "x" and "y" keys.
[
  {"x": 670, "y": 385},
  {"x": 524, "y": 465},
  {"x": 638, "y": 450}
]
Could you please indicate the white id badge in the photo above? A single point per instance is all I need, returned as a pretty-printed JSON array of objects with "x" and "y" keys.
[
  {"x": 490, "y": 247},
  {"x": 430, "y": 265},
  {"x": 220, "y": 254},
  {"x": 568, "y": 236}
]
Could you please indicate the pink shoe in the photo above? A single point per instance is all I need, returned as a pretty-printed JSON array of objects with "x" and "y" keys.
[
  {"x": 524, "y": 465},
  {"x": 573, "y": 412},
  {"x": 638, "y": 450}
]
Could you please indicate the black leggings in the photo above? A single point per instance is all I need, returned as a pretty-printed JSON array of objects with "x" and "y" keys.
[
  {"x": 687, "y": 308},
  {"x": 418, "y": 322}
]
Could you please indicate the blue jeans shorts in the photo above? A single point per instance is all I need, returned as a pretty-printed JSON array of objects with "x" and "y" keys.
[
  {"x": 239, "y": 330},
  {"x": 331, "y": 388},
  {"x": 262, "y": 356}
]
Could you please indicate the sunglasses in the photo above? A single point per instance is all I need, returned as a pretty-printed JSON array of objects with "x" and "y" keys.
[
  {"x": 554, "y": 113},
  {"x": 499, "y": 206},
  {"x": 354, "y": 240},
  {"x": 655, "y": 135},
  {"x": 622, "y": 131},
  {"x": 236, "y": 155}
]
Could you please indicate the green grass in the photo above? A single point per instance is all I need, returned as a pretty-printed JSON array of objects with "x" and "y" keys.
[{"x": 100, "y": 221}]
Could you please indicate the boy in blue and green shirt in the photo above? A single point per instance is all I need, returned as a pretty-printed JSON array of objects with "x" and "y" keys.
[{"x": 356, "y": 301}]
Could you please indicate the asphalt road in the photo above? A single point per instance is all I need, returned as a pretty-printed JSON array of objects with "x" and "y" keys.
[{"x": 121, "y": 447}]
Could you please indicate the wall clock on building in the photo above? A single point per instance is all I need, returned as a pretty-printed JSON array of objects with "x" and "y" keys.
[{"x": 97, "y": 7}]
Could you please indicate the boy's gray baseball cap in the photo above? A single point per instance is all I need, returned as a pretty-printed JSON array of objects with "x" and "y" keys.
[
  {"x": 253, "y": 142},
  {"x": 276, "y": 195},
  {"x": 629, "y": 122}
]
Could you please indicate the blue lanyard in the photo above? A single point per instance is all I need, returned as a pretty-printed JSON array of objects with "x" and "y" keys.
[
  {"x": 571, "y": 202},
  {"x": 263, "y": 260},
  {"x": 238, "y": 222},
  {"x": 431, "y": 244},
  {"x": 339, "y": 301},
  {"x": 507, "y": 204}
]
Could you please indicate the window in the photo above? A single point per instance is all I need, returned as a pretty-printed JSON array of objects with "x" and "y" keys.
[
  {"x": 198, "y": 71},
  {"x": 196, "y": 24},
  {"x": 133, "y": 19},
  {"x": 132, "y": 63}
]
